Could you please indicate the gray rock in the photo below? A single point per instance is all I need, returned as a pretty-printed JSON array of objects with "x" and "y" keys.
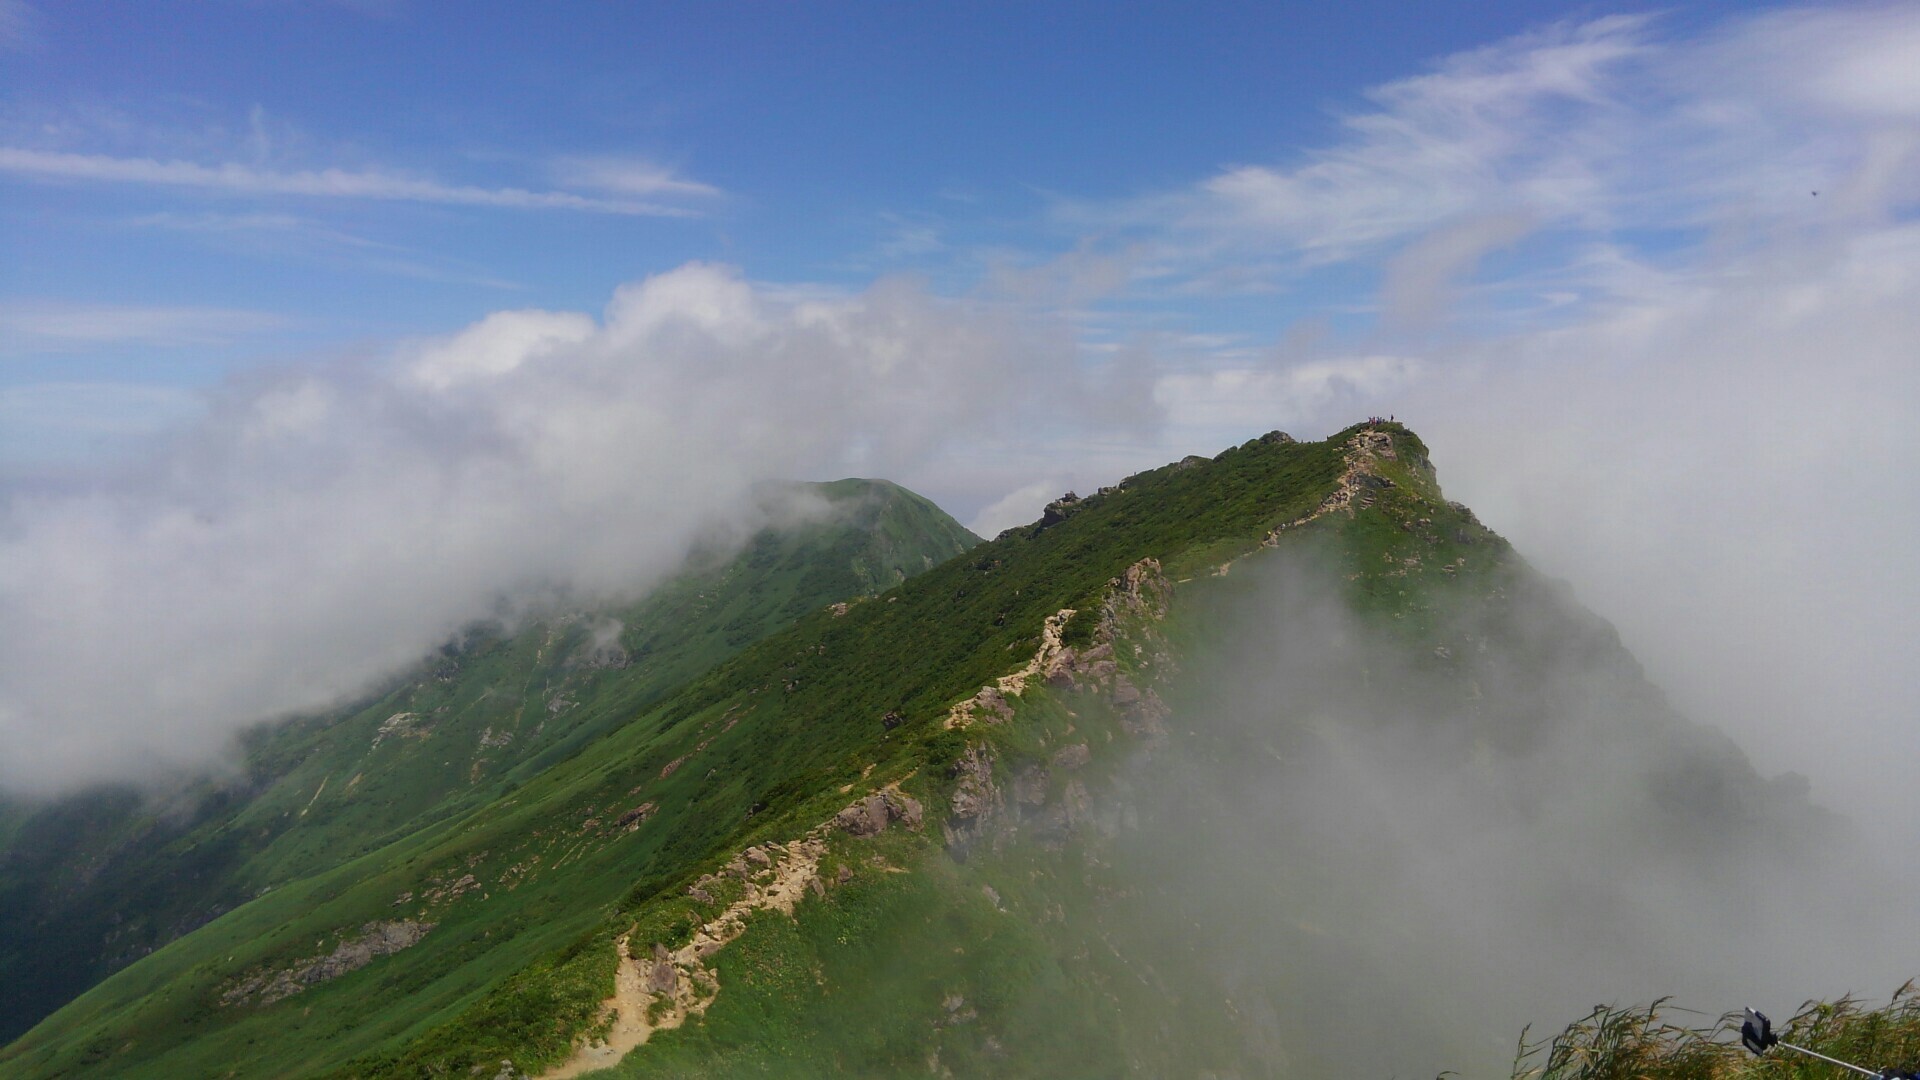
[
  {"x": 663, "y": 979},
  {"x": 905, "y": 809},
  {"x": 1030, "y": 786},
  {"x": 376, "y": 939},
  {"x": 1072, "y": 757},
  {"x": 864, "y": 818}
]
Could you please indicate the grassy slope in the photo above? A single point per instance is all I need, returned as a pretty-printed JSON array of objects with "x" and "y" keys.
[
  {"x": 92, "y": 882},
  {"x": 1006, "y": 963},
  {"x": 1049, "y": 954},
  {"x": 765, "y": 741},
  {"x": 1032, "y": 957}
]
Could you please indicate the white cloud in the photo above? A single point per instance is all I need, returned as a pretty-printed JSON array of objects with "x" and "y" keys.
[
  {"x": 1420, "y": 279},
  {"x": 498, "y": 344},
  {"x": 1228, "y": 404},
  {"x": 1722, "y": 471},
  {"x": 1847, "y": 62},
  {"x": 1717, "y": 462},
  {"x": 1016, "y": 507},
  {"x": 1691, "y": 396},
  {"x": 322, "y": 527},
  {"x": 240, "y": 179},
  {"x": 1483, "y": 134},
  {"x": 52, "y": 326},
  {"x": 1597, "y": 132},
  {"x": 629, "y": 176}
]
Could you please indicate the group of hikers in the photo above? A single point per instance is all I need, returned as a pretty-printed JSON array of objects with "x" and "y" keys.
[{"x": 1375, "y": 421}]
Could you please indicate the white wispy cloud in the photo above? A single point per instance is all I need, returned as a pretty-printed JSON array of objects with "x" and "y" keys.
[
  {"x": 1467, "y": 138},
  {"x": 57, "y": 326},
  {"x": 332, "y": 183},
  {"x": 1588, "y": 131},
  {"x": 637, "y": 177}
]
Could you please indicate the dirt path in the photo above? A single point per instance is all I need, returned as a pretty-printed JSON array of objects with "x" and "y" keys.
[
  {"x": 629, "y": 1003},
  {"x": 776, "y": 878}
]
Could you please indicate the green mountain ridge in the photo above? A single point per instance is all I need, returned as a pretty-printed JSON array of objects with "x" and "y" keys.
[
  {"x": 1004, "y": 818},
  {"x": 92, "y": 882}
]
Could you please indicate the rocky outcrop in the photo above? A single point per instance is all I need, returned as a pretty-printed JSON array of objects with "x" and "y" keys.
[
  {"x": 1135, "y": 601},
  {"x": 375, "y": 939},
  {"x": 976, "y": 799},
  {"x": 871, "y": 815},
  {"x": 1030, "y": 786},
  {"x": 1361, "y": 482},
  {"x": 1058, "y": 511},
  {"x": 400, "y": 725},
  {"x": 989, "y": 704},
  {"x": 635, "y": 817}
]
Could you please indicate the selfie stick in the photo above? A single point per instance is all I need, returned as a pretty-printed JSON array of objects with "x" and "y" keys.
[{"x": 1757, "y": 1034}]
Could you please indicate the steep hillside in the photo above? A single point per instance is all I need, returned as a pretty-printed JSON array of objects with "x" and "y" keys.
[
  {"x": 94, "y": 881},
  {"x": 1081, "y": 802}
]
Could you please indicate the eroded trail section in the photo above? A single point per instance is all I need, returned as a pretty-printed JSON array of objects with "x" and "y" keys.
[{"x": 661, "y": 988}]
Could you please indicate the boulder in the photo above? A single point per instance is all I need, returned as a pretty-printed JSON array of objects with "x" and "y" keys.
[{"x": 864, "y": 818}]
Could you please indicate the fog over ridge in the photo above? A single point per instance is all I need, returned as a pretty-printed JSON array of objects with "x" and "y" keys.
[
  {"x": 1385, "y": 864},
  {"x": 325, "y": 526}
]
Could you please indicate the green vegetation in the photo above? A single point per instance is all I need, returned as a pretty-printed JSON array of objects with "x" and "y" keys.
[
  {"x": 1644, "y": 1044},
  {"x": 1023, "y": 937},
  {"x": 92, "y": 882},
  {"x": 757, "y": 747}
]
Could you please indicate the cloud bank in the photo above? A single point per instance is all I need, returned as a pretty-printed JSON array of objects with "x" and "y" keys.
[
  {"x": 1641, "y": 346},
  {"x": 323, "y": 527},
  {"x": 1381, "y": 865}
]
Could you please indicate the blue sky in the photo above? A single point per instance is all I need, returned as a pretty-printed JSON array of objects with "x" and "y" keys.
[
  {"x": 551, "y": 159},
  {"x": 323, "y": 327}
]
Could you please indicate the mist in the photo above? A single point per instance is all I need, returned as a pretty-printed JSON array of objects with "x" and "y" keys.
[
  {"x": 326, "y": 525},
  {"x": 1383, "y": 856},
  {"x": 1661, "y": 338}
]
